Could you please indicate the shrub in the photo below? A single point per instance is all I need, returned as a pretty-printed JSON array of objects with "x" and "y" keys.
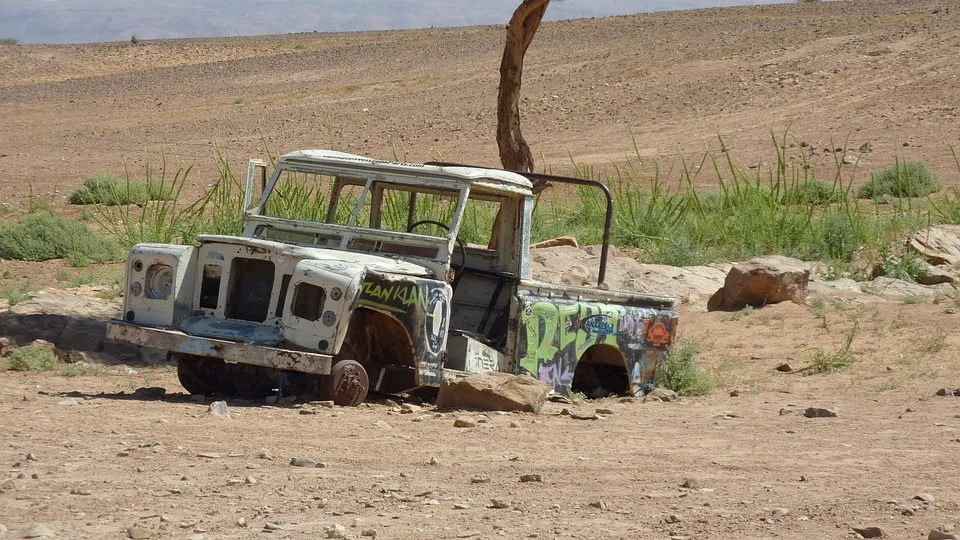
[
  {"x": 815, "y": 192},
  {"x": 902, "y": 179},
  {"x": 44, "y": 236},
  {"x": 908, "y": 266},
  {"x": 681, "y": 373},
  {"x": 111, "y": 190},
  {"x": 32, "y": 358},
  {"x": 9, "y": 41}
]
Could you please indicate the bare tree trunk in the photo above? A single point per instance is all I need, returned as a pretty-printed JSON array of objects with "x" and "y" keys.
[{"x": 514, "y": 151}]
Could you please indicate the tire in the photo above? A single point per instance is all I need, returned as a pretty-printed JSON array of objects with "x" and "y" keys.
[{"x": 202, "y": 375}]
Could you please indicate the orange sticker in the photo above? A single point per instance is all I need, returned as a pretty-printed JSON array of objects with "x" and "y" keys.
[{"x": 658, "y": 334}]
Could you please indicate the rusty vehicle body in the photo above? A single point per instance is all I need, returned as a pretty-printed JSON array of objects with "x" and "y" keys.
[{"x": 355, "y": 275}]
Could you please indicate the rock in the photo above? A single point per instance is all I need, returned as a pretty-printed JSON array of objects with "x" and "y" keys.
[
  {"x": 515, "y": 424},
  {"x": 583, "y": 416},
  {"x": 779, "y": 512},
  {"x": 461, "y": 506},
  {"x": 409, "y": 408},
  {"x": 304, "y": 462},
  {"x": 250, "y": 480},
  {"x": 80, "y": 491},
  {"x": 925, "y": 498},
  {"x": 936, "y": 275},
  {"x": 372, "y": 533},
  {"x": 897, "y": 288},
  {"x": 434, "y": 460},
  {"x": 242, "y": 522},
  {"x": 499, "y": 504},
  {"x": 869, "y": 531},
  {"x": 559, "y": 241},
  {"x": 69, "y": 402},
  {"x": 336, "y": 531},
  {"x": 380, "y": 424},
  {"x": 209, "y": 455},
  {"x": 817, "y": 412},
  {"x": 271, "y": 526},
  {"x": 909, "y": 507},
  {"x": 671, "y": 519},
  {"x": 599, "y": 505},
  {"x": 531, "y": 478},
  {"x": 139, "y": 533},
  {"x": 152, "y": 392},
  {"x": 326, "y": 404},
  {"x": 479, "y": 479},
  {"x": 219, "y": 409},
  {"x": 690, "y": 483},
  {"x": 38, "y": 530},
  {"x": 264, "y": 454},
  {"x": 494, "y": 391},
  {"x": 661, "y": 394},
  {"x": 939, "y": 246},
  {"x": 943, "y": 532},
  {"x": 866, "y": 148},
  {"x": 464, "y": 422},
  {"x": 784, "y": 368},
  {"x": 605, "y": 412},
  {"x": 850, "y": 160},
  {"x": 793, "y": 412},
  {"x": 68, "y": 321},
  {"x": 762, "y": 281}
]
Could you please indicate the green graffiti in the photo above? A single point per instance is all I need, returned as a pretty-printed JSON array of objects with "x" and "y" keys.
[{"x": 552, "y": 329}]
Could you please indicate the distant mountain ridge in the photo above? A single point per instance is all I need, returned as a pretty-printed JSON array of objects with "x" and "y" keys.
[{"x": 84, "y": 21}]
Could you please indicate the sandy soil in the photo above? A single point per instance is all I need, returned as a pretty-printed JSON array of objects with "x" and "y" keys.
[{"x": 872, "y": 71}]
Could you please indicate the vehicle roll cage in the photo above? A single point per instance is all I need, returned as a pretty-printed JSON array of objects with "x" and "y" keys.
[{"x": 543, "y": 181}]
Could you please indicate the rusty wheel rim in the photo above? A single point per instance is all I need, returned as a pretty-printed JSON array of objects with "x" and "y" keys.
[{"x": 350, "y": 383}]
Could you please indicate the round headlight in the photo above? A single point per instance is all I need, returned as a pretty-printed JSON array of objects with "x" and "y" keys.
[{"x": 159, "y": 282}]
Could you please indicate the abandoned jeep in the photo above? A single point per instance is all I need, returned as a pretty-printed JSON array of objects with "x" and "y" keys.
[{"x": 355, "y": 275}]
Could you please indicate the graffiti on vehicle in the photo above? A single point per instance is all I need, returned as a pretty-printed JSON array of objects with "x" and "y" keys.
[
  {"x": 422, "y": 306},
  {"x": 555, "y": 334}
]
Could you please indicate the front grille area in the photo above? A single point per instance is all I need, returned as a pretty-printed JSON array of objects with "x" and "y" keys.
[{"x": 250, "y": 288}]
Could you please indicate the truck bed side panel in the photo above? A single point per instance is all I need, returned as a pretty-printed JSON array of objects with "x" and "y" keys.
[{"x": 555, "y": 331}]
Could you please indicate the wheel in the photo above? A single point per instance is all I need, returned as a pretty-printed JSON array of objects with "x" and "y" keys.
[
  {"x": 202, "y": 375},
  {"x": 347, "y": 385},
  {"x": 250, "y": 382}
]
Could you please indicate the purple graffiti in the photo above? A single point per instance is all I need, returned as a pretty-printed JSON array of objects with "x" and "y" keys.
[{"x": 556, "y": 375}]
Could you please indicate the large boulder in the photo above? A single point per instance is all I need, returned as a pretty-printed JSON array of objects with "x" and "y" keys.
[
  {"x": 69, "y": 321},
  {"x": 493, "y": 391},
  {"x": 939, "y": 245},
  {"x": 761, "y": 281}
]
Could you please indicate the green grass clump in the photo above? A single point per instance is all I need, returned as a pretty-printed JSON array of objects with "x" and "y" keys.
[
  {"x": 111, "y": 190},
  {"x": 15, "y": 295},
  {"x": 907, "y": 266},
  {"x": 902, "y": 179},
  {"x": 681, "y": 373},
  {"x": 815, "y": 192},
  {"x": 825, "y": 362},
  {"x": 45, "y": 236},
  {"x": 32, "y": 358}
]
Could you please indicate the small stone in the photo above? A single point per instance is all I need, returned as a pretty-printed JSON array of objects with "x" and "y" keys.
[
  {"x": 80, "y": 491},
  {"x": 605, "y": 412},
  {"x": 672, "y": 518},
  {"x": 942, "y": 532},
  {"x": 869, "y": 531},
  {"x": 499, "y": 504},
  {"x": 123, "y": 454},
  {"x": 209, "y": 455},
  {"x": 434, "y": 461},
  {"x": 69, "y": 402},
  {"x": 479, "y": 479},
  {"x": 326, "y": 404},
  {"x": 690, "y": 483},
  {"x": 218, "y": 409},
  {"x": 461, "y": 506},
  {"x": 584, "y": 416},
  {"x": 31, "y": 457},
  {"x": 381, "y": 425},
  {"x": 409, "y": 408},
  {"x": 265, "y": 455},
  {"x": 372, "y": 533},
  {"x": 779, "y": 512},
  {"x": 250, "y": 480},
  {"x": 514, "y": 424},
  {"x": 336, "y": 531},
  {"x": 464, "y": 422},
  {"x": 817, "y": 412},
  {"x": 925, "y": 498},
  {"x": 784, "y": 368},
  {"x": 139, "y": 533},
  {"x": 271, "y": 526},
  {"x": 531, "y": 478},
  {"x": 304, "y": 462},
  {"x": 38, "y": 530},
  {"x": 661, "y": 394},
  {"x": 599, "y": 504},
  {"x": 792, "y": 412},
  {"x": 309, "y": 411},
  {"x": 242, "y": 522}
]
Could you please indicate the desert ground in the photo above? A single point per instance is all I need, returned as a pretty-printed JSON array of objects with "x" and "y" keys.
[{"x": 88, "y": 457}]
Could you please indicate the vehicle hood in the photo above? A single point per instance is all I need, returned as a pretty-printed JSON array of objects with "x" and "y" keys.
[{"x": 336, "y": 261}]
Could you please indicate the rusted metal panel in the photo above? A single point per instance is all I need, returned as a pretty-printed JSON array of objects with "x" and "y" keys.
[{"x": 231, "y": 351}]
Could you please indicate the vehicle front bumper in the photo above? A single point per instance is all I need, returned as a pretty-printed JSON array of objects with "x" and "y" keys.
[{"x": 231, "y": 351}]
